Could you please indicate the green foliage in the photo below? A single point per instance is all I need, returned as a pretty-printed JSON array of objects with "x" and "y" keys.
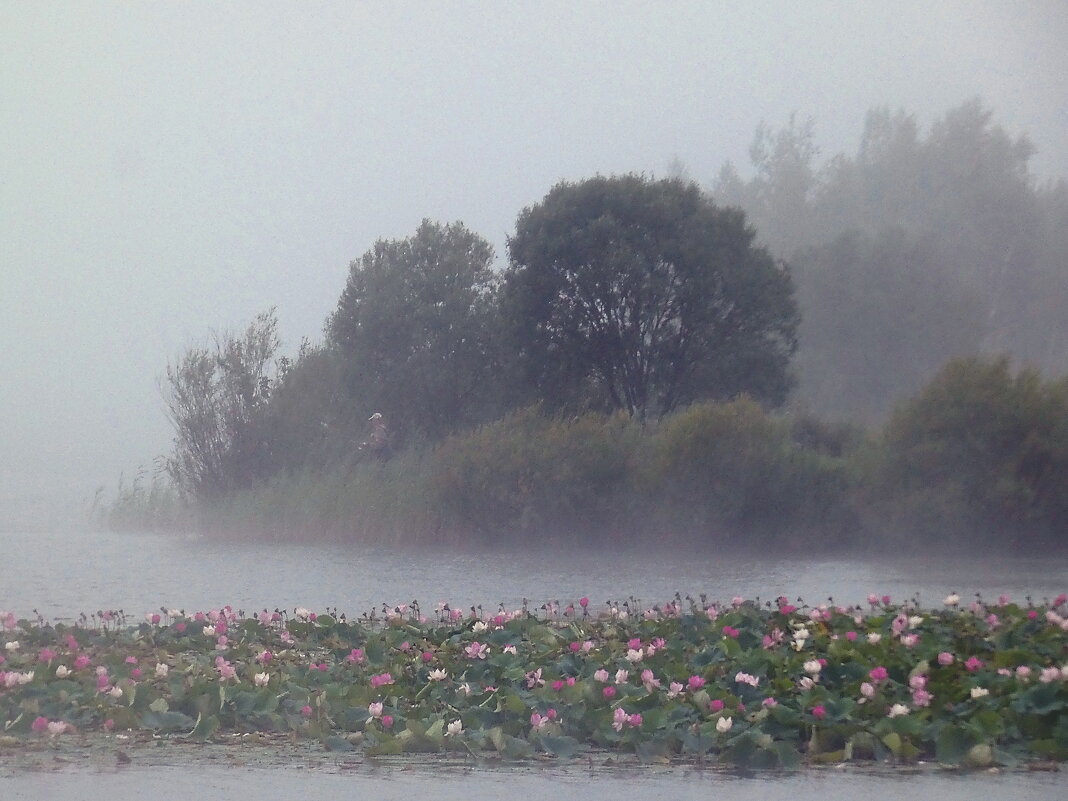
[
  {"x": 642, "y": 296},
  {"x": 731, "y": 469},
  {"x": 703, "y": 681},
  {"x": 530, "y": 475},
  {"x": 981, "y": 448},
  {"x": 415, "y": 331}
]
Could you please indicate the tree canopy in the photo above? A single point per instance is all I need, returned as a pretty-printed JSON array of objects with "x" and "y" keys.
[
  {"x": 642, "y": 295},
  {"x": 413, "y": 328}
]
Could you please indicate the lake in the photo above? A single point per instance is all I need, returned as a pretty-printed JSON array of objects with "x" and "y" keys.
[{"x": 63, "y": 574}]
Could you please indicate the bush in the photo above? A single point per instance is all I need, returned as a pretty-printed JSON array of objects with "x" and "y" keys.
[
  {"x": 731, "y": 472},
  {"x": 980, "y": 454},
  {"x": 533, "y": 476}
]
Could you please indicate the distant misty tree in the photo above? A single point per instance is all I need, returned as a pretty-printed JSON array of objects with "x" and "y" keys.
[
  {"x": 642, "y": 295},
  {"x": 415, "y": 331},
  {"x": 215, "y": 397},
  {"x": 779, "y": 198},
  {"x": 963, "y": 192},
  {"x": 880, "y": 319}
]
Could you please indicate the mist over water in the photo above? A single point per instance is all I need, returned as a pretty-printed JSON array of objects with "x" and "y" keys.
[{"x": 63, "y": 575}]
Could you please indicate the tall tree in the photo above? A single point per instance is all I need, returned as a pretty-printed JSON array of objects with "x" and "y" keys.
[
  {"x": 215, "y": 396},
  {"x": 415, "y": 330},
  {"x": 644, "y": 295}
]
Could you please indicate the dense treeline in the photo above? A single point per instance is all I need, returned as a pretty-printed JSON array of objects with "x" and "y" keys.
[
  {"x": 630, "y": 371},
  {"x": 920, "y": 247}
]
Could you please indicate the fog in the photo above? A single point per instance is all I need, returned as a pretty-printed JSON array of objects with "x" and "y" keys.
[{"x": 170, "y": 169}]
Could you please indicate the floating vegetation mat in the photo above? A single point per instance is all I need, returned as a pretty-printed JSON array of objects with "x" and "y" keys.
[{"x": 740, "y": 684}]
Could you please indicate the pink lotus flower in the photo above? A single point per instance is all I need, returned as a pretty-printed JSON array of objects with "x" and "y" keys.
[
  {"x": 609, "y": 691},
  {"x": 851, "y": 636},
  {"x": 945, "y": 658},
  {"x": 356, "y": 656},
  {"x": 381, "y": 680},
  {"x": 46, "y": 655},
  {"x": 387, "y": 721},
  {"x": 715, "y": 705},
  {"x": 306, "y": 711},
  {"x": 746, "y": 678},
  {"x": 584, "y": 602},
  {"x": 921, "y": 698},
  {"x": 1049, "y": 675},
  {"x": 695, "y": 683},
  {"x": 878, "y": 673},
  {"x": 819, "y": 711},
  {"x": 973, "y": 663},
  {"x": 649, "y": 680},
  {"x": 600, "y": 675},
  {"x": 39, "y": 725},
  {"x": 476, "y": 650}
]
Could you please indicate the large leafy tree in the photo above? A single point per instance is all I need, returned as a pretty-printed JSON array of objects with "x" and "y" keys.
[
  {"x": 414, "y": 330},
  {"x": 642, "y": 295}
]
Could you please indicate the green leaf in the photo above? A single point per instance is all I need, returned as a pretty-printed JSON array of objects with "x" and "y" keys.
[
  {"x": 562, "y": 746},
  {"x": 166, "y": 721},
  {"x": 205, "y": 728},
  {"x": 336, "y": 743},
  {"x": 953, "y": 744}
]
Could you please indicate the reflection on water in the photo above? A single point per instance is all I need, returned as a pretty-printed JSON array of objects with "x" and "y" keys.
[{"x": 63, "y": 575}]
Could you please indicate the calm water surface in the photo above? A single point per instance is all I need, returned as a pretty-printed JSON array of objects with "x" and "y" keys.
[{"x": 62, "y": 575}]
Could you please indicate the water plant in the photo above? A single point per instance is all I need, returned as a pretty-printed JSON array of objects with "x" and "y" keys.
[{"x": 742, "y": 683}]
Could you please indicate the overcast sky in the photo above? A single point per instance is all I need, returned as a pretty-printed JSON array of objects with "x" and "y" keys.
[{"x": 170, "y": 168}]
